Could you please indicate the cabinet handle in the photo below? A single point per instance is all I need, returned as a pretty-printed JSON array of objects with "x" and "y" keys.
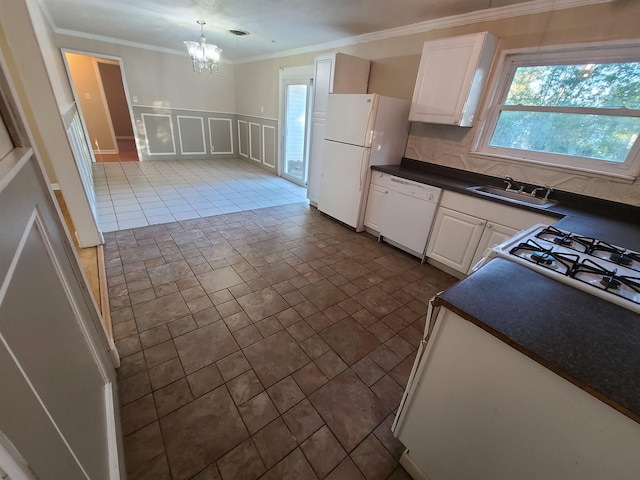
[
  {"x": 480, "y": 223},
  {"x": 488, "y": 225}
]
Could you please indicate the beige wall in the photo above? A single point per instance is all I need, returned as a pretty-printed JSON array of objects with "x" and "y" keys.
[
  {"x": 394, "y": 68},
  {"x": 163, "y": 79},
  {"x": 451, "y": 146},
  {"x": 92, "y": 102}
]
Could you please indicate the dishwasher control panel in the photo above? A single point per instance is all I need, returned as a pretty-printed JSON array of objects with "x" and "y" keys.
[{"x": 415, "y": 189}]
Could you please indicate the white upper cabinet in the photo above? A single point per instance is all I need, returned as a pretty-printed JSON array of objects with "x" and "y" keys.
[
  {"x": 452, "y": 74},
  {"x": 338, "y": 73}
]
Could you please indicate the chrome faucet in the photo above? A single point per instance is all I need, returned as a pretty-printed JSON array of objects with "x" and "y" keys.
[
  {"x": 513, "y": 185},
  {"x": 547, "y": 190}
]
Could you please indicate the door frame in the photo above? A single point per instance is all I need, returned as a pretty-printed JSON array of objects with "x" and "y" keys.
[
  {"x": 96, "y": 58},
  {"x": 303, "y": 74}
]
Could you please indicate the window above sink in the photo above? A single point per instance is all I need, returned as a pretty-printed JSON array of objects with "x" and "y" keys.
[{"x": 574, "y": 107}]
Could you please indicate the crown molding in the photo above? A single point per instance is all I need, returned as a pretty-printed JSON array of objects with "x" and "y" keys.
[
  {"x": 118, "y": 41},
  {"x": 529, "y": 8},
  {"x": 491, "y": 14}
]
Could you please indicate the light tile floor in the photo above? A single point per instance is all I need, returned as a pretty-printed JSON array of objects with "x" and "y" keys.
[{"x": 137, "y": 194}]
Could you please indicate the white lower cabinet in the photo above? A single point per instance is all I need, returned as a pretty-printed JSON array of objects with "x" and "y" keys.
[
  {"x": 476, "y": 408},
  {"x": 455, "y": 238},
  {"x": 376, "y": 200},
  {"x": 465, "y": 228},
  {"x": 375, "y": 206},
  {"x": 493, "y": 234}
]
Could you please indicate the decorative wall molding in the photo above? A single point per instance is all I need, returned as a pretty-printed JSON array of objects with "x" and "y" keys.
[
  {"x": 191, "y": 131},
  {"x": 243, "y": 138},
  {"x": 154, "y": 130},
  {"x": 205, "y": 135},
  {"x": 227, "y": 148},
  {"x": 185, "y": 128},
  {"x": 269, "y": 157},
  {"x": 487, "y": 15},
  {"x": 255, "y": 141}
]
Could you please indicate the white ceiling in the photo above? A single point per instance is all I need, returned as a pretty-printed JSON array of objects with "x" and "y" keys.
[{"x": 275, "y": 26}]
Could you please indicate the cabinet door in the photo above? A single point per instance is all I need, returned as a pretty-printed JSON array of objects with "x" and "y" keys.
[
  {"x": 455, "y": 238},
  {"x": 315, "y": 158},
  {"x": 493, "y": 234},
  {"x": 323, "y": 83},
  {"x": 449, "y": 74},
  {"x": 375, "y": 206}
]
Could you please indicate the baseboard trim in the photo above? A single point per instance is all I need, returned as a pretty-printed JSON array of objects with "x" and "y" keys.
[{"x": 104, "y": 293}]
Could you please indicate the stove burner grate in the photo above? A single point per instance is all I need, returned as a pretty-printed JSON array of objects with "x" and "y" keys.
[
  {"x": 566, "y": 239},
  {"x": 592, "y": 273},
  {"x": 559, "y": 262},
  {"x": 616, "y": 255}
]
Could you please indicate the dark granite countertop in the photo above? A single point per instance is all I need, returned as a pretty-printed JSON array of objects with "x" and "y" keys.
[
  {"x": 590, "y": 342},
  {"x": 611, "y": 222},
  {"x": 586, "y": 340}
]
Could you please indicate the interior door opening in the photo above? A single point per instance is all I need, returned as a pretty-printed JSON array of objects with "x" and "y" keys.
[
  {"x": 99, "y": 91},
  {"x": 295, "y": 95}
]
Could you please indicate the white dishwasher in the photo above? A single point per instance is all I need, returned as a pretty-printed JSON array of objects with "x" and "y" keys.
[{"x": 408, "y": 214}]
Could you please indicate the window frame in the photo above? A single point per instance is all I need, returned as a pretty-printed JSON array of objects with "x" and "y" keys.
[{"x": 510, "y": 60}]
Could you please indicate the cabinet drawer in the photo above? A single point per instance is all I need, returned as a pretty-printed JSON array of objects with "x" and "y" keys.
[{"x": 379, "y": 178}]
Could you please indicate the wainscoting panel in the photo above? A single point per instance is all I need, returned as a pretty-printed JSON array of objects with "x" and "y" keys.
[
  {"x": 255, "y": 142},
  {"x": 191, "y": 133},
  {"x": 221, "y": 135},
  {"x": 158, "y": 131},
  {"x": 165, "y": 133},
  {"x": 269, "y": 156},
  {"x": 243, "y": 138}
]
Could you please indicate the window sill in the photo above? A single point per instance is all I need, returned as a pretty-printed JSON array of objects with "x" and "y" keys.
[{"x": 615, "y": 177}]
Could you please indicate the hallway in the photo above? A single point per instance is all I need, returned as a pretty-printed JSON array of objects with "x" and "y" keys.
[
  {"x": 137, "y": 194},
  {"x": 273, "y": 343}
]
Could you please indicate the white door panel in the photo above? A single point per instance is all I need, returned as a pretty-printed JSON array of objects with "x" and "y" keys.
[
  {"x": 350, "y": 118},
  {"x": 343, "y": 181},
  {"x": 316, "y": 149},
  {"x": 56, "y": 377}
]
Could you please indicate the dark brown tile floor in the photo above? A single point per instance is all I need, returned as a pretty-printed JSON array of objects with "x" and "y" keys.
[{"x": 272, "y": 343}]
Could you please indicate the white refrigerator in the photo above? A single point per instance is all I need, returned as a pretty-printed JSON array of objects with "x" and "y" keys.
[{"x": 362, "y": 130}]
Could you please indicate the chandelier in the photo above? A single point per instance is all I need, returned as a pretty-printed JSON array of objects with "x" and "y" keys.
[{"x": 203, "y": 56}]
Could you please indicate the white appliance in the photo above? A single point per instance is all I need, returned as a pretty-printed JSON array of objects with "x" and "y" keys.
[
  {"x": 408, "y": 214},
  {"x": 362, "y": 130},
  {"x": 596, "y": 267}
]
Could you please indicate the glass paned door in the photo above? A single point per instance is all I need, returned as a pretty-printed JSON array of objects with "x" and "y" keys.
[{"x": 295, "y": 132}]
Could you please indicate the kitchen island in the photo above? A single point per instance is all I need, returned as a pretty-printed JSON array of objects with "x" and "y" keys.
[{"x": 538, "y": 381}]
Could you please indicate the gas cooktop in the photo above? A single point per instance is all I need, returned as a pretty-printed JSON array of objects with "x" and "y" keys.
[{"x": 596, "y": 267}]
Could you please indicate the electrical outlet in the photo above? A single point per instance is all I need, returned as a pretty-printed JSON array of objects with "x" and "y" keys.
[
  {"x": 135, "y": 99},
  {"x": 213, "y": 149}
]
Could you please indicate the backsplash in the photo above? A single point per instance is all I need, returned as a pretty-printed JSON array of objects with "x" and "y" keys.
[{"x": 450, "y": 146}]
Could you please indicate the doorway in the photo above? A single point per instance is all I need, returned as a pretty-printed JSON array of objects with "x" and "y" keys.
[
  {"x": 98, "y": 88},
  {"x": 296, "y": 86}
]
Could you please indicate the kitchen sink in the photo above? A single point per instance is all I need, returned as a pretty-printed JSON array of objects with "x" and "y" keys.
[{"x": 512, "y": 196}]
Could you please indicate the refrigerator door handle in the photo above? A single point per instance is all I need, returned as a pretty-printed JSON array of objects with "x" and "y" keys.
[
  {"x": 363, "y": 172},
  {"x": 370, "y": 142}
]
